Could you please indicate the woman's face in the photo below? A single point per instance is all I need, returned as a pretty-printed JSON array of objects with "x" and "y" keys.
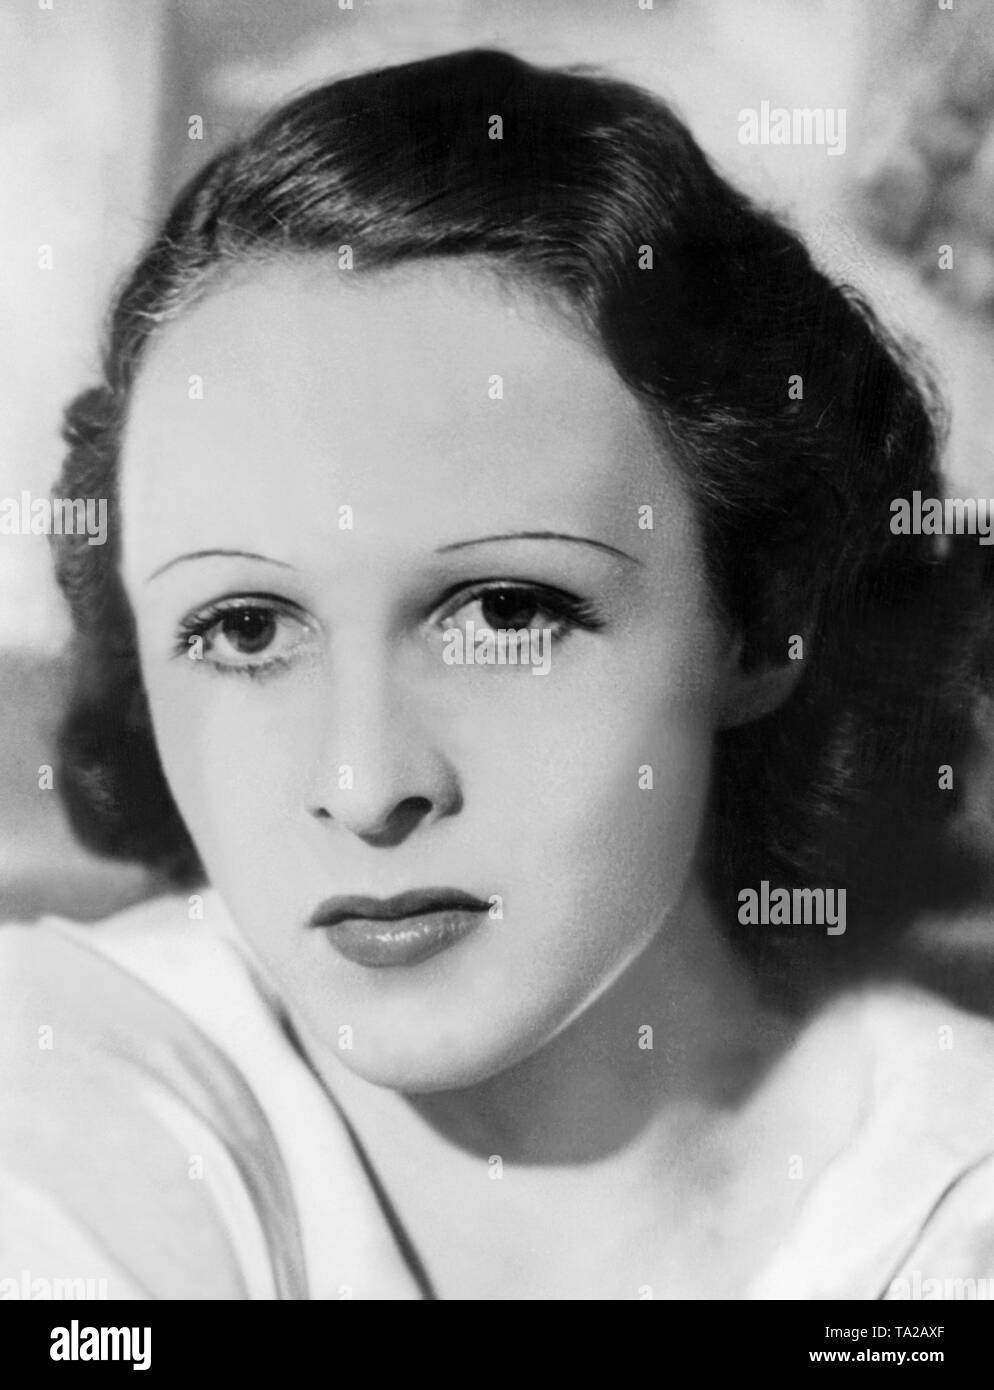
[{"x": 333, "y": 489}]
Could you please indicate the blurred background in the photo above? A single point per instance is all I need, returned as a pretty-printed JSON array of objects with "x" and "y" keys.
[{"x": 96, "y": 101}]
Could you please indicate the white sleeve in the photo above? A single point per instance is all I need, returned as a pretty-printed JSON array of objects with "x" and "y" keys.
[
  {"x": 131, "y": 1148},
  {"x": 953, "y": 1258}
]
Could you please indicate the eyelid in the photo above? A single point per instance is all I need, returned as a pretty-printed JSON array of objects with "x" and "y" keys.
[
  {"x": 467, "y": 592},
  {"x": 198, "y": 622},
  {"x": 228, "y": 603},
  {"x": 570, "y": 608}
]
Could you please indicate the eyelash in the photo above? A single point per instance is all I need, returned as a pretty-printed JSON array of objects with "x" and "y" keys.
[
  {"x": 569, "y": 614},
  {"x": 569, "y": 611},
  {"x": 202, "y": 622}
]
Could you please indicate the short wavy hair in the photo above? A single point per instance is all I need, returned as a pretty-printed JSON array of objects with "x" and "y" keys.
[{"x": 707, "y": 306}]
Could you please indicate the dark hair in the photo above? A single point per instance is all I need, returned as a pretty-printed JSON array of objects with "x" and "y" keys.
[{"x": 590, "y": 180}]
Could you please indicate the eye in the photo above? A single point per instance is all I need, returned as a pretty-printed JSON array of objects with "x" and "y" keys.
[
  {"x": 501, "y": 605},
  {"x": 249, "y": 633}
]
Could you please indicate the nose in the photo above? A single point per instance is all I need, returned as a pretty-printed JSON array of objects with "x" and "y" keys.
[{"x": 380, "y": 772}]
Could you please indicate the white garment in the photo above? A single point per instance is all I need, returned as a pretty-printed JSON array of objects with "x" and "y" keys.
[{"x": 160, "y": 1130}]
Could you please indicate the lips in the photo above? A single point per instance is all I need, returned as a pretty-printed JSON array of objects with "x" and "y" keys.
[{"x": 403, "y": 930}]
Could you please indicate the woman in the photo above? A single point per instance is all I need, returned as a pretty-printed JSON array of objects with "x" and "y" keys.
[{"x": 501, "y": 581}]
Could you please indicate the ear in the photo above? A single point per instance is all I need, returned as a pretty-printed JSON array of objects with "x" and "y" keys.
[{"x": 750, "y": 695}]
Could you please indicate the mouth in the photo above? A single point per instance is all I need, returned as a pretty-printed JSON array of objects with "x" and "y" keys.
[{"x": 404, "y": 930}]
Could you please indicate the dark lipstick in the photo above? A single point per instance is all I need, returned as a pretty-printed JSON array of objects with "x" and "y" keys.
[{"x": 403, "y": 930}]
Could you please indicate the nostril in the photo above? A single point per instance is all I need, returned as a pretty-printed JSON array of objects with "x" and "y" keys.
[
  {"x": 395, "y": 828},
  {"x": 411, "y": 810},
  {"x": 375, "y": 828}
]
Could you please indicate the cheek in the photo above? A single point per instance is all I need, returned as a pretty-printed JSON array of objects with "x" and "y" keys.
[
  {"x": 589, "y": 784},
  {"x": 592, "y": 798},
  {"x": 225, "y": 755}
]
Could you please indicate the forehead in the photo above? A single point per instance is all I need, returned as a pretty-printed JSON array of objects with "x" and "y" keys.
[{"x": 426, "y": 399}]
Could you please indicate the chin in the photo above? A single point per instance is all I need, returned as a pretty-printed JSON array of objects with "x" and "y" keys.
[{"x": 421, "y": 1065}]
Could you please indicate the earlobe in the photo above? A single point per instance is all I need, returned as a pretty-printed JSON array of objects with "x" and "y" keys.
[{"x": 751, "y": 695}]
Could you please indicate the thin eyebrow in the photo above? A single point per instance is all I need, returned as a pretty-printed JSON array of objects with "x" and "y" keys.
[
  {"x": 205, "y": 554},
  {"x": 541, "y": 536}
]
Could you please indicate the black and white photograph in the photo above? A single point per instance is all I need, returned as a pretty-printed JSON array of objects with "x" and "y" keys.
[{"x": 497, "y": 659}]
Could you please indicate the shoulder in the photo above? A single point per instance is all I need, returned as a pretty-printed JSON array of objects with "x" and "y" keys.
[
  {"x": 164, "y": 1130},
  {"x": 913, "y": 1185},
  {"x": 123, "y": 1114},
  {"x": 952, "y": 1255},
  {"x": 175, "y": 962},
  {"x": 945, "y": 1087}
]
